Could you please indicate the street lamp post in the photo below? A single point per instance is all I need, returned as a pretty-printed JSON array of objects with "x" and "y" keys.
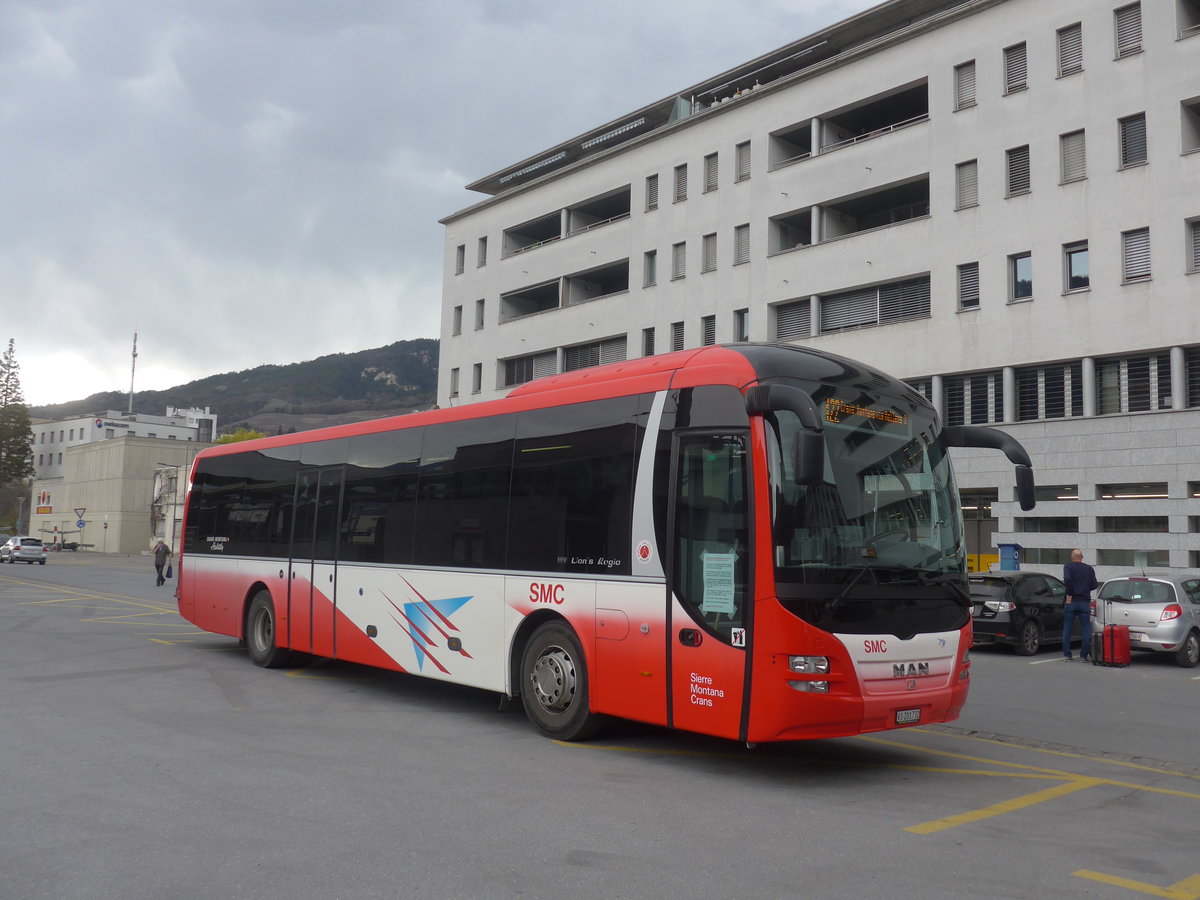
[{"x": 20, "y": 512}]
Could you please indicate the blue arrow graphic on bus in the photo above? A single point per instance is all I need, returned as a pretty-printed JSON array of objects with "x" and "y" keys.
[{"x": 426, "y": 619}]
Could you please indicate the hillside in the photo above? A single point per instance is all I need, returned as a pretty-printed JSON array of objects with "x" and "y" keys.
[{"x": 342, "y": 387}]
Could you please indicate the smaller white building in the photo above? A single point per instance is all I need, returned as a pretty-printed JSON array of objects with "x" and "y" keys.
[{"x": 51, "y": 439}]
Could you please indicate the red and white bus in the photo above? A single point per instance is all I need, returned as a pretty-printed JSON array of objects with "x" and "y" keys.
[{"x": 757, "y": 542}]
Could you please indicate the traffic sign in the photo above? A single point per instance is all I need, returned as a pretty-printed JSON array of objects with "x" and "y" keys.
[
  {"x": 80, "y": 523},
  {"x": 79, "y": 511}
]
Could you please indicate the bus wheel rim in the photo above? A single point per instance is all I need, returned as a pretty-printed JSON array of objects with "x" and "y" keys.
[{"x": 553, "y": 679}]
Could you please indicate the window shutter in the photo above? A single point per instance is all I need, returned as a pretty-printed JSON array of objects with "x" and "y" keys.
[
  {"x": 545, "y": 364},
  {"x": 612, "y": 350},
  {"x": 904, "y": 300},
  {"x": 1136, "y": 254},
  {"x": 678, "y": 260},
  {"x": 967, "y": 184},
  {"x": 793, "y": 320},
  {"x": 1074, "y": 156},
  {"x": 1018, "y": 170},
  {"x": 968, "y": 285},
  {"x": 1129, "y": 29},
  {"x": 1133, "y": 140},
  {"x": 710, "y": 172},
  {"x": 681, "y": 182},
  {"x": 743, "y": 161},
  {"x": 964, "y": 85},
  {"x": 708, "y": 331},
  {"x": 647, "y": 342},
  {"x": 849, "y": 310},
  {"x": 1196, "y": 247},
  {"x": 676, "y": 335},
  {"x": 1015, "y": 68},
  {"x": 1070, "y": 50},
  {"x": 710, "y": 253},
  {"x": 741, "y": 242},
  {"x": 651, "y": 192}
]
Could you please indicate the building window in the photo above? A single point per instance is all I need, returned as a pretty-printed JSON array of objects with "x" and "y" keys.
[
  {"x": 481, "y": 252},
  {"x": 743, "y": 161},
  {"x": 966, "y": 184},
  {"x": 40, "y": 458},
  {"x": 741, "y": 244},
  {"x": 1133, "y": 384},
  {"x": 678, "y": 260},
  {"x": 793, "y": 320},
  {"x": 1073, "y": 153},
  {"x": 899, "y": 301},
  {"x": 676, "y": 335},
  {"x": 526, "y": 368},
  {"x": 708, "y": 260},
  {"x": 964, "y": 85},
  {"x": 1136, "y": 490},
  {"x": 477, "y": 378},
  {"x": 1188, "y": 18},
  {"x": 1193, "y": 245},
  {"x": 478, "y": 315},
  {"x": 974, "y": 399},
  {"x": 460, "y": 259},
  {"x": 1132, "y": 525},
  {"x": 1076, "y": 269},
  {"x": 1016, "y": 69},
  {"x": 1070, "y": 49},
  {"x": 708, "y": 331},
  {"x": 647, "y": 342},
  {"x": 456, "y": 326},
  {"x": 1189, "y": 125},
  {"x": 1020, "y": 276},
  {"x": 72, "y": 434},
  {"x": 1133, "y": 140},
  {"x": 681, "y": 183},
  {"x": 711, "y": 181},
  {"x": 1128, "y": 23},
  {"x": 968, "y": 285},
  {"x": 596, "y": 354},
  {"x": 651, "y": 192},
  {"x": 650, "y": 268},
  {"x": 1135, "y": 255},
  {"x": 1050, "y": 392},
  {"x": 1018, "y": 170},
  {"x": 454, "y": 382},
  {"x": 741, "y": 325}
]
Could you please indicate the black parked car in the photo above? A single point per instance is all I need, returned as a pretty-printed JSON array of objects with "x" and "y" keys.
[{"x": 1022, "y": 609}]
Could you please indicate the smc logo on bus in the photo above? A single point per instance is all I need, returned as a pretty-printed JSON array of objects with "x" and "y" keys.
[{"x": 546, "y": 593}]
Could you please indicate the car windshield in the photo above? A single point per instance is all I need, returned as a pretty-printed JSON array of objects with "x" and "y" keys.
[
  {"x": 1131, "y": 591},
  {"x": 876, "y": 544}
]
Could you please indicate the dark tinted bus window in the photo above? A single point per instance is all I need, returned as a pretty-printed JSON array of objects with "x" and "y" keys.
[
  {"x": 264, "y": 514},
  {"x": 380, "y": 499},
  {"x": 462, "y": 496},
  {"x": 216, "y": 489},
  {"x": 572, "y": 491}
]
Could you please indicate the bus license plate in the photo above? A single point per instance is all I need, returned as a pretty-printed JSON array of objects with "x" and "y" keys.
[{"x": 908, "y": 716}]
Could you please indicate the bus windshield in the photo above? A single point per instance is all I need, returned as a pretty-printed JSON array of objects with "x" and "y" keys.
[{"x": 876, "y": 544}]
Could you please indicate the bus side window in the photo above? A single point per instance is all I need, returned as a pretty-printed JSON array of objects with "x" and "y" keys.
[{"x": 712, "y": 546}]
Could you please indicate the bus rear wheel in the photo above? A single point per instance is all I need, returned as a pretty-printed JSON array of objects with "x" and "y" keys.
[
  {"x": 554, "y": 684},
  {"x": 260, "y": 633}
]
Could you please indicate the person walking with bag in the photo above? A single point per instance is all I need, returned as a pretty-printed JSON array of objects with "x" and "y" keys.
[
  {"x": 162, "y": 553},
  {"x": 1080, "y": 581}
]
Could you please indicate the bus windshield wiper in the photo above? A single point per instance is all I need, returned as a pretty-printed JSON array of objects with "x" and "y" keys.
[{"x": 836, "y": 602}]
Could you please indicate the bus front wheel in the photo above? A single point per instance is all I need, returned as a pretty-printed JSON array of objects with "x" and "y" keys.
[
  {"x": 554, "y": 684},
  {"x": 260, "y": 633}
]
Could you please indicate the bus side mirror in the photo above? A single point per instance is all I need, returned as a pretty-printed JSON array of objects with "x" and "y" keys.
[
  {"x": 808, "y": 453},
  {"x": 1025, "y": 488},
  {"x": 995, "y": 439},
  {"x": 809, "y": 459}
]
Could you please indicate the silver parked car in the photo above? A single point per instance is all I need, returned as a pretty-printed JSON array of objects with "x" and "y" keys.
[
  {"x": 1162, "y": 612},
  {"x": 24, "y": 549}
]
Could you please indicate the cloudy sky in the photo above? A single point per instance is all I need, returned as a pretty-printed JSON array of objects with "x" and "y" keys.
[{"x": 259, "y": 181}]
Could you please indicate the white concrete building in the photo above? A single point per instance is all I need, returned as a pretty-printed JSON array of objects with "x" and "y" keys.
[
  {"x": 52, "y": 439},
  {"x": 996, "y": 200}
]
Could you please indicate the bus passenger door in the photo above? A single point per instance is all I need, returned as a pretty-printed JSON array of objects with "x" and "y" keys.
[
  {"x": 312, "y": 575},
  {"x": 709, "y": 582}
]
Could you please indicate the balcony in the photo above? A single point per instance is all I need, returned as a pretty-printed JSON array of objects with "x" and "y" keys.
[{"x": 567, "y": 222}]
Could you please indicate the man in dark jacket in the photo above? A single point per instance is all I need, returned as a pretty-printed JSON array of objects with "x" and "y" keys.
[
  {"x": 1080, "y": 579},
  {"x": 161, "y": 554}
]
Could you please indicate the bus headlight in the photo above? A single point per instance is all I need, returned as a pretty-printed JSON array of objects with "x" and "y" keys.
[{"x": 809, "y": 665}]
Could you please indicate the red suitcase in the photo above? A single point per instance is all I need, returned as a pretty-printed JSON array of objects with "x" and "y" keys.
[{"x": 1111, "y": 646}]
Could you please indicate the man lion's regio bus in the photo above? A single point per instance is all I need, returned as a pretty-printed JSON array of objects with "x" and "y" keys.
[{"x": 758, "y": 542}]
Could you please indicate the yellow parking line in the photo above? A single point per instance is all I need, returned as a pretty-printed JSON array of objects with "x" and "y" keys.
[
  {"x": 1188, "y": 889},
  {"x": 1007, "y": 806}
]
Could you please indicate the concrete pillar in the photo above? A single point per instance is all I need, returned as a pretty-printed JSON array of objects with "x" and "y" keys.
[
  {"x": 937, "y": 394},
  {"x": 1008, "y": 377},
  {"x": 1089, "y": 386},
  {"x": 1178, "y": 378}
]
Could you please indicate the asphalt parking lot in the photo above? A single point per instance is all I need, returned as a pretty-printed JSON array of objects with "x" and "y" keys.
[{"x": 142, "y": 758}]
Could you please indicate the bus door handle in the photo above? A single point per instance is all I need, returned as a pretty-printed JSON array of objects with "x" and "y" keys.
[{"x": 690, "y": 637}]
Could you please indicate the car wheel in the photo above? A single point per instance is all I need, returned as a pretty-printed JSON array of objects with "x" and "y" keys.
[
  {"x": 554, "y": 684},
  {"x": 1188, "y": 653},
  {"x": 1029, "y": 641}
]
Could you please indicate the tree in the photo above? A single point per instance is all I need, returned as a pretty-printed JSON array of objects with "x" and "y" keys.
[
  {"x": 242, "y": 434},
  {"x": 16, "y": 433}
]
